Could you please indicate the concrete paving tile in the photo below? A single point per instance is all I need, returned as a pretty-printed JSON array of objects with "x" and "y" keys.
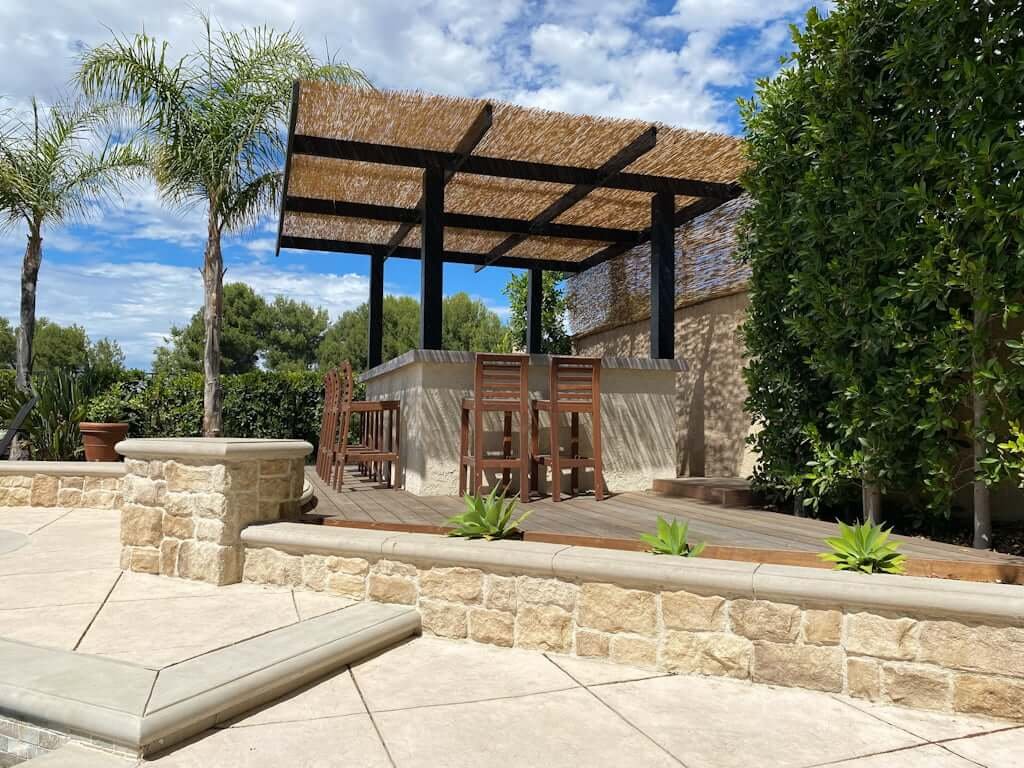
[
  {"x": 31, "y": 559},
  {"x": 599, "y": 671},
  {"x": 53, "y": 627},
  {"x": 77, "y": 756},
  {"x": 11, "y": 541},
  {"x": 329, "y": 743},
  {"x": 332, "y": 696},
  {"x": 427, "y": 671},
  {"x": 713, "y": 723},
  {"x": 28, "y": 519},
  {"x": 312, "y": 604},
  {"x": 567, "y": 728},
  {"x": 146, "y": 586},
  {"x": 932, "y": 726},
  {"x": 209, "y": 622},
  {"x": 928, "y": 756},
  {"x": 994, "y": 750},
  {"x": 47, "y": 589},
  {"x": 158, "y": 658}
]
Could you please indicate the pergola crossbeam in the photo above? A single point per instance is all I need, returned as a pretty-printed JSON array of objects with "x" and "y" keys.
[{"x": 642, "y": 144}]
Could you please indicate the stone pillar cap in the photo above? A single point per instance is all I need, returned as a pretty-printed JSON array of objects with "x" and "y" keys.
[{"x": 207, "y": 448}]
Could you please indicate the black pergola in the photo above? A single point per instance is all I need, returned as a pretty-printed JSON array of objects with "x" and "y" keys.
[{"x": 530, "y": 243}]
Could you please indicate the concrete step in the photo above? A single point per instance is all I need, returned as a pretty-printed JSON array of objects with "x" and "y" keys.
[
  {"x": 77, "y": 756},
  {"x": 727, "y": 491}
]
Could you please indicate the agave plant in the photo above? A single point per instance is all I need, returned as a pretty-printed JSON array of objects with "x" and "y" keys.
[
  {"x": 487, "y": 517},
  {"x": 51, "y": 427},
  {"x": 672, "y": 539},
  {"x": 864, "y": 547}
]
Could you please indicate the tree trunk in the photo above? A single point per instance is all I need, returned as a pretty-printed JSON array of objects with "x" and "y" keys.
[
  {"x": 871, "y": 498},
  {"x": 213, "y": 308},
  {"x": 982, "y": 507},
  {"x": 27, "y": 325}
]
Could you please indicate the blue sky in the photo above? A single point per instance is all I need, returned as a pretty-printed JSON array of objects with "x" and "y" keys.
[{"x": 132, "y": 271}]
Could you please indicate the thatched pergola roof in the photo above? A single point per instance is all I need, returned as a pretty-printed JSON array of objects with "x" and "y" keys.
[{"x": 523, "y": 187}]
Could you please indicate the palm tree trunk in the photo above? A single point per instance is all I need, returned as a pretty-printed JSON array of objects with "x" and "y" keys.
[
  {"x": 27, "y": 324},
  {"x": 213, "y": 309},
  {"x": 871, "y": 499},
  {"x": 982, "y": 496}
]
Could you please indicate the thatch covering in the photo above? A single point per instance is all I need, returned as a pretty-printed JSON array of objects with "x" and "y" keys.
[
  {"x": 438, "y": 123},
  {"x": 617, "y": 292}
]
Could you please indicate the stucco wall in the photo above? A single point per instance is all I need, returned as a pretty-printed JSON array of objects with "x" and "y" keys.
[{"x": 709, "y": 395}]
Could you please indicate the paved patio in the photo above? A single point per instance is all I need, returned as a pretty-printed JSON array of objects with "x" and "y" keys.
[{"x": 437, "y": 703}]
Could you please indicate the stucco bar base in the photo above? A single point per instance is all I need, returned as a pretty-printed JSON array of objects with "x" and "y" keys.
[
  {"x": 186, "y": 501},
  {"x": 638, "y": 418},
  {"x": 923, "y": 643}
]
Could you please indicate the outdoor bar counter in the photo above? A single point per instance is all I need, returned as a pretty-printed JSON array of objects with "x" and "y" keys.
[{"x": 638, "y": 418}]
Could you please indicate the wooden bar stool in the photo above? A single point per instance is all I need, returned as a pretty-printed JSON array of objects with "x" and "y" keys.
[
  {"x": 499, "y": 386},
  {"x": 328, "y": 425},
  {"x": 574, "y": 387}
]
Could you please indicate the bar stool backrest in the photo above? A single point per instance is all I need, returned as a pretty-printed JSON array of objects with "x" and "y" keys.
[
  {"x": 501, "y": 378},
  {"x": 574, "y": 381}
]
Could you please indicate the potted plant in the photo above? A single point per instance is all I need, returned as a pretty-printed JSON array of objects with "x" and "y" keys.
[{"x": 106, "y": 426}]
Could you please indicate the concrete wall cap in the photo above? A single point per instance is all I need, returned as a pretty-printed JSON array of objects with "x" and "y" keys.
[
  {"x": 63, "y": 468},
  {"x": 207, "y": 448}
]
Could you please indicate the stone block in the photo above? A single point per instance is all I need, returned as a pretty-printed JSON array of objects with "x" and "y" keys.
[
  {"x": 764, "y": 620},
  {"x": 244, "y": 507},
  {"x": 989, "y": 695},
  {"x": 16, "y": 481},
  {"x": 392, "y": 589},
  {"x": 998, "y": 650},
  {"x": 169, "y": 557},
  {"x": 195, "y": 477},
  {"x": 803, "y": 666},
  {"x": 138, "y": 467},
  {"x": 611, "y": 608},
  {"x": 882, "y": 638},
  {"x": 98, "y": 498},
  {"x": 44, "y": 490},
  {"x": 212, "y": 505},
  {"x": 394, "y": 568},
  {"x": 316, "y": 569},
  {"x": 823, "y": 627},
  {"x": 209, "y": 562},
  {"x": 547, "y": 592},
  {"x": 139, "y": 490},
  {"x": 706, "y": 653},
  {"x": 683, "y": 610},
  {"x": 864, "y": 678},
  {"x": 101, "y": 483},
  {"x": 243, "y": 476},
  {"x": 275, "y": 489},
  {"x": 145, "y": 560},
  {"x": 494, "y": 627},
  {"x": 74, "y": 482},
  {"x": 178, "y": 527},
  {"x": 543, "y": 628},
  {"x": 592, "y": 643},
  {"x": 634, "y": 651},
  {"x": 141, "y": 526},
  {"x": 917, "y": 686},
  {"x": 500, "y": 593},
  {"x": 443, "y": 619},
  {"x": 13, "y": 496},
  {"x": 68, "y": 497},
  {"x": 347, "y": 585},
  {"x": 218, "y": 531},
  {"x": 459, "y": 585},
  {"x": 275, "y": 467}
]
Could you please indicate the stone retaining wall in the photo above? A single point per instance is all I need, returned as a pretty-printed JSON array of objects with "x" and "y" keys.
[
  {"x": 930, "y": 662},
  {"x": 60, "y": 484}
]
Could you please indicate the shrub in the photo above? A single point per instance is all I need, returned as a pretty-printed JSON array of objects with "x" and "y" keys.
[
  {"x": 51, "y": 427},
  {"x": 487, "y": 517},
  {"x": 672, "y": 539},
  {"x": 865, "y": 548}
]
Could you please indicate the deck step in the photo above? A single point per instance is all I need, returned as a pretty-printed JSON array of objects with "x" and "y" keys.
[{"x": 727, "y": 491}]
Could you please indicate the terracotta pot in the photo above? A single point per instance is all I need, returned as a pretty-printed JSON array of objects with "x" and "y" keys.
[{"x": 100, "y": 439}]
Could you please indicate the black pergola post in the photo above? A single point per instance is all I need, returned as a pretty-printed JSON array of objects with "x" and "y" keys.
[
  {"x": 534, "y": 311},
  {"x": 663, "y": 276},
  {"x": 432, "y": 258},
  {"x": 375, "y": 346}
]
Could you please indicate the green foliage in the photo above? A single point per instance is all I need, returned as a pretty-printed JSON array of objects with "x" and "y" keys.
[
  {"x": 294, "y": 332},
  {"x": 7, "y": 344},
  {"x": 672, "y": 539},
  {"x": 554, "y": 337},
  {"x": 51, "y": 428},
  {"x": 884, "y": 169},
  {"x": 487, "y": 517},
  {"x": 467, "y": 324},
  {"x": 108, "y": 407},
  {"x": 864, "y": 547}
]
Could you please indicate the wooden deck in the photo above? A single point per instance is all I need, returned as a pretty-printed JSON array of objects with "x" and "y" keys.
[{"x": 621, "y": 516}]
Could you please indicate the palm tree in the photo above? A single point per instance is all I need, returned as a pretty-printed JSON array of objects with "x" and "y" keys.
[
  {"x": 52, "y": 173},
  {"x": 215, "y": 118}
]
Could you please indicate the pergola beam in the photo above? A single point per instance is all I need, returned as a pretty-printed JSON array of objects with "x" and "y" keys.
[
  {"x": 432, "y": 259},
  {"x": 480, "y": 165},
  {"x": 408, "y": 252},
  {"x": 642, "y": 144},
  {"x": 375, "y": 336},
  {"x": 409, "y": 217},
  {"x": 469, "y": 141},
  {"x": 663, "y": 277}
]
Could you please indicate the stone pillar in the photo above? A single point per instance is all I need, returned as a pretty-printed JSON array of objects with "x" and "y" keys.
[{"x": 186, "y": 501}]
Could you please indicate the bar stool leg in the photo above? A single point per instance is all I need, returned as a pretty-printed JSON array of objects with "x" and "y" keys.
[
  {"x": 556, "y": 466},
  {"x": 478, "y": 449},
  {"x": 574, "y": 452},
  {"x": 524, "y": 456},
  {"x": 463, "y": 450},
  {"x": 534, "y": 449},
  {"x": 506, "y": 449}
]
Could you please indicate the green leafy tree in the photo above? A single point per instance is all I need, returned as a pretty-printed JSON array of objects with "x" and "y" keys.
[
  {"x": 886, "y": 255},
  {"x": 7, "y": 344},
  {"x": 554, "y": 336},
  {"x": 242, "y": 336},
  {"x": 348, "y": 336},
  {"x": 215, "y": 118},
  {"x": 51, "y": 174},
  {"x": 294, "y": 331},
  {"x": 59, "y": 346},
  {"x": 467, "y": 324}
]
